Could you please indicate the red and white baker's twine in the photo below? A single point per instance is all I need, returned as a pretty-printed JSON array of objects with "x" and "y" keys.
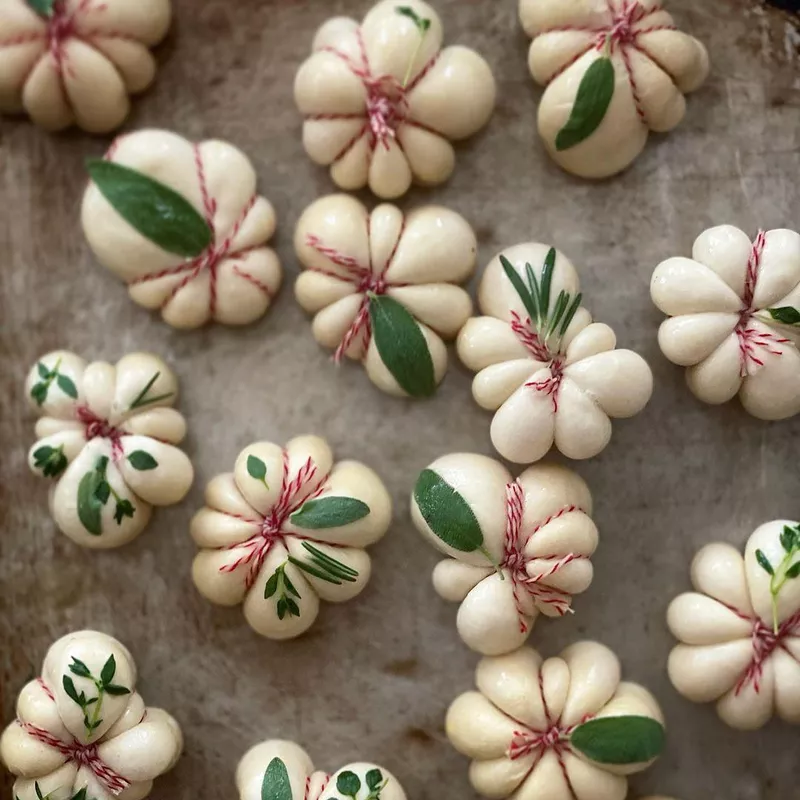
[
  {"x": 366, "y": 282},
  {"x": 215, "y": 253},
  {"x": 752, "y": 340},
  {"x": 534, "y": 742},
  {"x": 62, "y": 26},
  {"x": 80, "y": 754},
  {"x": 386, "y": 106},
  {"x": 622, "y": 32},
  {"x": 538, "y": 348},
  {"x": 765, "y": 642},
  {"x": 305, "y": 486},
  {"x": 97, "y": 428},
  {"x": 515, "y": 560},
  {"x": 319, "y": 792}
]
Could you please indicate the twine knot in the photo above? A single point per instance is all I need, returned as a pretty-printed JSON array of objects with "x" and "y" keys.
[
  {"x": 387, "y": 106},
  {"x": 621, "y": 30}
]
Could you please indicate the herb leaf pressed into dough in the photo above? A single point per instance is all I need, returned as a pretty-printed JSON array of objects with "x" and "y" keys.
[
  {"x": 329, "y": 512},
  {"x": 43, "y": 7},
  {"x": 276, "y": 785},
  {"x": 159, "y": 213},
  {"x": 619, "y": 740},
  {"x": 422, "y": 24},
  {"x": 447, "y": 513},
  {"x": 591, "y": 104},
  {"x": 402, "y": 346},
  {"x": 788, "y": 315}
]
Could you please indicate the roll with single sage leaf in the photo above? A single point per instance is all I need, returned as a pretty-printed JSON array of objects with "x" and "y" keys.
[
  {"x": 550, "y": 375},
  {"x": 382, "y": 287},
  {"x": 563, "y": 728},
  {"x": 734, "y": 311},
  {"x": 107, "y": 438},
  {"x": 517, "y": 548},
  {"x": 739, "y": 631},
  {"x": 183, "y": 225},
  {"x": 281, "y": 770},
  {"x": 614, "y": 70},
  {"x": 382, "y": 100},
  {"x": 75, "y": 62},
  {"x": 83, "y": 732},
  {"x": 285, "y": 530}
]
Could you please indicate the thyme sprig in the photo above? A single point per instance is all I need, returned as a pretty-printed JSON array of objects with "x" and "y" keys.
[
  {"x": 39, "y": 390},
  {"x": 94, "y": 491},
  {"x": 423, "y": 26},
  {"x": 280, "y": 584},
  {"x": 787, "y": 570},
  {"x": 547, "y": 322},
  {"x": 50, "y": 460},
  {"x": 143, "y": 400},
  {"x": 92, "y": 706}
]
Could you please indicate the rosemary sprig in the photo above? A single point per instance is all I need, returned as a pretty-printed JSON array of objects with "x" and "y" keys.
[
  {"x": 423, "y": 26},
  {"x": 787, "y": 570},
  {"x": 92, "y": 706},
  {"x": 535, "y": 298},
  {"x": 325, "y": 567},
  {"x": 280, "y": 584},
  {"x": 142, "y": 399}
]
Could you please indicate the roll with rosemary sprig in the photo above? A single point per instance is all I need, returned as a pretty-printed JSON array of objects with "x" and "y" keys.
[
  {"x": 285, "y": 530},
  {"x": 550, "y": 374}
]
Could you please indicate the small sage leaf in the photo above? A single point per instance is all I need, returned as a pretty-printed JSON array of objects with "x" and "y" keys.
[
  {"x": 43, "y": 7},
  {"x": 447, "y": 513},
  {"x": 764, "y": 563},
  {"x": 402, "y": 346},
  {"x": 256, "y": 468},
  {"x": 109, "y": 670},
  {"x": 348, "y": 783},
  {"x": 276, "y": 785},
  {"x": 329, "y": 512},
  {"x": 619, "y": 740},
  {"x": 159, "y": 213},
  {"x": 142, "y": 460},
  {"x": 788, "y": 315},
  {"x": 374, "y": 779},
  {"x": 103, "y": 492},
  {"x": 591, "y": 104},
  {"x": 89, "y": 505},
  {"x": 67, "y": 386}
]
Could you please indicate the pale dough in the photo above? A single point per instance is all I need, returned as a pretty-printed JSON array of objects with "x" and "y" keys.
[{"x": 371, "y": 126}]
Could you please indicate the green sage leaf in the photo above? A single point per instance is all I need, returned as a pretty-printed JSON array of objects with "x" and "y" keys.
[
  {"x": 67, "y": 386},
  {"x": 788, "y": 315},
  {"x": 763, "y": 562},
  {"x": 619, "y": 740},
  {"x": 109, "y": 670},
  {"x": 272, "y": 585},
  {"x": 374, "y": 779},
  {"x": 329, "y": 512},
  {"x": 256, "y": 468},
  {"x": 103, "y": 492},
  {"x": 42, "y": 370},
  {"x": 142, "y": 460},
  {"x": 43, "y": 7},
  {"x": 89, "y": 505},
  {"x": 116, "y": 690},
  {"x": 72, "y": 692},
  {"x": 276, "y": 785},
  {"x": 591, "y": 104},
  {"x": 447, "y": 513},
  {"x": 348, "y": 783},
  {"x": 402, "y": 346},
  {"x": 159, "y": 213}
]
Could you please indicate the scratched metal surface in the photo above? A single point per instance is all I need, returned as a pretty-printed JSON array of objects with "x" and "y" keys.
[{"x": 374, "y": 677}]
